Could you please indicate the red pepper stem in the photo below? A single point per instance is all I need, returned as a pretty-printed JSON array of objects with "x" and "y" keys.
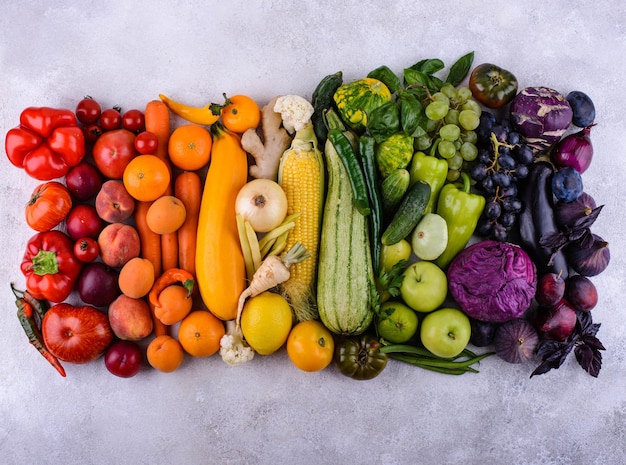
[{"x": 45, "y": 262}]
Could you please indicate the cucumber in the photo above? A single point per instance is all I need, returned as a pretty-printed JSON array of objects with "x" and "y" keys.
[
  {"x": 345, "y": 283},
  {"x": 409, "y": 213},
  {"x": 322, "y": 100},
  {"x": 394, "y": 187}
]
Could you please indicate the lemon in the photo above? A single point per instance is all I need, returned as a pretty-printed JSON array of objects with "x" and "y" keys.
[{"x": 266, "y": 322}]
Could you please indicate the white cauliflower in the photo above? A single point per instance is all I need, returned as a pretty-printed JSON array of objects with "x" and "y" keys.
[
  {"x": 233, "y": 349},
  {"x": 295, "y": 111}
]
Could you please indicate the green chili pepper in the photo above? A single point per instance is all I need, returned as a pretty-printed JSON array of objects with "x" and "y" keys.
[
  {"x": 368, "y": 159},
  {"x": 461, "y": 209},
  {"x": 432, "y": 170},
  {"x": 25, "y": 315},
  {"x": 339, "y": 137}
]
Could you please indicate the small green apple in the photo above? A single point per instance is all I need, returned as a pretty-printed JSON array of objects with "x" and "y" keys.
[
  {"x": 446, "y": 332},
  {"x": 392, "y": 254},
  {"x": 430, "y": 237},
  {"x": 397, "y": 323},
  {"x": 424, "y": 286}
]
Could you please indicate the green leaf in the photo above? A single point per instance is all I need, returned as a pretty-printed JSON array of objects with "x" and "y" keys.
[
  {"x": 412, "y": 116},
  {"x": 413, "y": 77},
  {"x": 458, "y": 71},
  {"x": 388, "y": 77},
  {"x": 428, "y": 66},
  {"x": 384, "y": 121}
]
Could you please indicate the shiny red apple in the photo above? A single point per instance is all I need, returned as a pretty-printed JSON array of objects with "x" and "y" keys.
[{"x": 76, "y": 334}]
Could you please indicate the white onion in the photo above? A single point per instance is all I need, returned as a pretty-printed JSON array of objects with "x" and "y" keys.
[{"x": 263, "y": 203}]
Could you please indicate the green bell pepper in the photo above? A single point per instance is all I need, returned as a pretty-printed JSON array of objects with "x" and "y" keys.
[
  {"x": 432, "y": 170},
  {"x": 461, "y": 209}
]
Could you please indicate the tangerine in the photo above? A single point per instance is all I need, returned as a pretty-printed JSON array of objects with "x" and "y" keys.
[
  {"x": 189, "y": 147},
  {"x": 146, "y": 177},
  {"x": 200, "y": 333}
]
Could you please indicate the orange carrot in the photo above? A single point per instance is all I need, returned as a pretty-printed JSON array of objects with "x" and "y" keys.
[
  {"x": 150, "y": 250},
  {"x": 188, "y": 189},
  {"x": 157, "y": 120}
]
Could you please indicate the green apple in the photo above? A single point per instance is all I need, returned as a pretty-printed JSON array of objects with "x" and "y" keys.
[
  {"x": 397, "y": 323},
  {"x": 392, "y": 254},
  {"x": 446, "y": 332},
  {"x": 424, "y": 286},
  {"x": 430, "y": 237}
]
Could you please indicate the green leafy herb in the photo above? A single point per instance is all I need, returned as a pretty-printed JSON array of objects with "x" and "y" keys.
[
  {"x": 384, "y": 121},
  {"x": 458, "y": 71},
  {"x": 387, "y": 77},
  {"x": 413, "y": 119}
]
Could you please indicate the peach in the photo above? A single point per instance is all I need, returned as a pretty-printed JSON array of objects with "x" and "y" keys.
[
  {"x": 130, "y": 319},
  {"x": 113, "y": 203},
  {"x": 118, "y": 244}
]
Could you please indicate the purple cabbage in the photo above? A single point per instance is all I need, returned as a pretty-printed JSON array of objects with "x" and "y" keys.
[
  {"x": 541, "y": 115},
  {"x": 493, "y": 281}
]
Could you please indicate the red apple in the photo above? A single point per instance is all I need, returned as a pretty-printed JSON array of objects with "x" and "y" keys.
[
  {"x": 123, "y": 359},
  {"x": 76, "y": 334},
  {"x": 113, "y": 151},
  {"x": 83, "y": 221},
  {"x": 83, "y": 180}
]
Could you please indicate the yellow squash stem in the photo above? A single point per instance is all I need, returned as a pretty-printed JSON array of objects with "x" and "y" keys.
[{"x": 301, "y": 175}]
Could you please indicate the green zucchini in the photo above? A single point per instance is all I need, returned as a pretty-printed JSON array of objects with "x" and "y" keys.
[
  {"x": 345, "y": 283},
  {"x": 409, "y": 213},
  {"x": 394, "y": 187}
]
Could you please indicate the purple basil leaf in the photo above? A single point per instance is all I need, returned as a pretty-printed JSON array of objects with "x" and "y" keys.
[
  {"x": 553, "y": 240},
  {"x": 589, "y": 359},
  {"x": 587, "y": 220},
  {"x": 592, "y": 342}
]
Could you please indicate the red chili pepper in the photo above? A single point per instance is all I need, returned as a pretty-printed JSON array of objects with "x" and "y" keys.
[
  {"x": 50, "y": 266},
  {"x": 47, "y": 143},
  {"x": 25, "y": 305}
]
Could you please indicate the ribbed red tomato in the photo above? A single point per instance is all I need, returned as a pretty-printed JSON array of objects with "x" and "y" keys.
[{"x": 49, "y": 204}]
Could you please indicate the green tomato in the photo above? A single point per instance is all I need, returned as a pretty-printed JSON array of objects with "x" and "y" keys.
[
  {"x": 397, "y": 323},
  {"x": 359, "y": 357},
  {"x": 492, "y": 86}
]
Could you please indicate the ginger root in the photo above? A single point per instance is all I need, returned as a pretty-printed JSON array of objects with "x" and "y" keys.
[{"x": 268, "y": 149}]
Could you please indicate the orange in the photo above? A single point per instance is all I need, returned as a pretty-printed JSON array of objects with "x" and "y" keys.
[
  {"x": 241, "y": 114},
  {"x": 310, "y": 346},
  {"x": 174, "y": 304},
  {"x": 165, "y": 353},
  {"x": 166, "y": 214},
  {"x": 146, "y": 177},
  {"x": 189, "y": 147},
  {"x": 200, "y": 332},
  {"x": 136, "y": 277}
]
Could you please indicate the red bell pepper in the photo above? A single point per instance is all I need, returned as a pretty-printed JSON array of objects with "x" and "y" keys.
[
  {"x": 47, "y": 143},
  {"x": 50, "y": 266}
]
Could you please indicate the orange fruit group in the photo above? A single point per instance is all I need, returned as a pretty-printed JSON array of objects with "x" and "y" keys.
[
  {"x": 200, "y": 332},
  {"x": 174, "y": 304},
  {"x": 189, "y": 147},
  {"x": 146, "y": 177},
  {"x": 165, "y": 353},
  {"x": 136, "y": 277},
  {"x": 310, "y": 346},
  {"x": 166, "y": 214}
]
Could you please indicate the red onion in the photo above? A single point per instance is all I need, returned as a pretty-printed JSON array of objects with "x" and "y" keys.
[{"x": 574, "y": 151}]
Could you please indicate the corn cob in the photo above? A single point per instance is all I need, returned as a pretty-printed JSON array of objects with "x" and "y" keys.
[{"x": 301, "y": 175}]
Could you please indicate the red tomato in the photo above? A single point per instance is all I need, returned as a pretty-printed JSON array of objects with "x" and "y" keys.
[
  {"x": 76, "y": 334},
  {"x": 92, "y": 132},
  {"x": 134, "y": 121},
  {"x": 146, "y": 143},
  {"x": 111, "y": 119},
  {"x": 86, "y": 249},
  {"x": 113, "y": 151},
  {"x": 88, "y": 111},
  {"x": 49, "y": 204}
]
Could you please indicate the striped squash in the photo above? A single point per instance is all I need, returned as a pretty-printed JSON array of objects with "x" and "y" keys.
[{"x": 345, "y": 285}]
